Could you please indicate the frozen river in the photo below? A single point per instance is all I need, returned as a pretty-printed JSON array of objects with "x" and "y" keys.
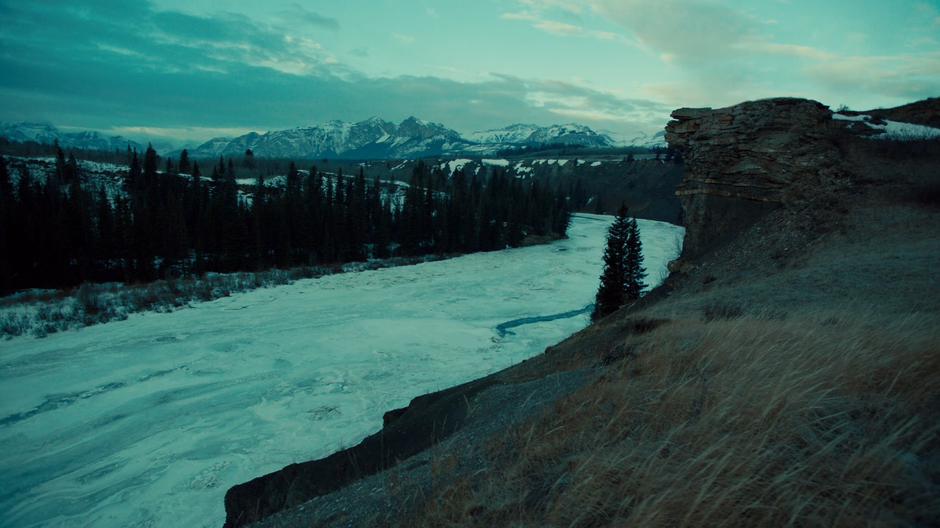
[{"x": 148, "y": 421}]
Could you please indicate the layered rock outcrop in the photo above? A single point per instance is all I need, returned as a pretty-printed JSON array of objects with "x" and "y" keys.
[{"x": 746, "y": 160}]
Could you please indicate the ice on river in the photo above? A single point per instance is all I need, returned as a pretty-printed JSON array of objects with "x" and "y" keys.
[{"x": 148, "y": 421}]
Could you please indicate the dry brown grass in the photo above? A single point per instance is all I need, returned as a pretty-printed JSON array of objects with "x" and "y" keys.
[{"x": 817, "y": 420}]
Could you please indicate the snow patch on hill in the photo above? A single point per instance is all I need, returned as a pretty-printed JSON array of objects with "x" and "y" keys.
[{"x": 892, "y": 130}]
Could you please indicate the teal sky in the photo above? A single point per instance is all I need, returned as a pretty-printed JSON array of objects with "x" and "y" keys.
[{"x": 193, "y": 69}]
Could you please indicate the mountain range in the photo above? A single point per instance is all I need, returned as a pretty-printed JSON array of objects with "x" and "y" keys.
[
  {"x": 377, "y": 138},
  {"x": 47, "y": 133},
  {"x": 373, "y": 138}
]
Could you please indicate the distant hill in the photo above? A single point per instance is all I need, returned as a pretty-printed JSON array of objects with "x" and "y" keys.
[{"x": 47, "y": 133}]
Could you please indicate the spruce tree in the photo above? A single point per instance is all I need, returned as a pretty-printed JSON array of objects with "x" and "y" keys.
[
  {"x": 634, "y": 272},
  {"x": 611, "y": 294},
  {"x": 150, "y": 166},
  {"x": 59, "y": 162},
  {"x": 183, "y": 165},
  {"x": 6, "y": 184},
  {"x": 7, "y": 214}
]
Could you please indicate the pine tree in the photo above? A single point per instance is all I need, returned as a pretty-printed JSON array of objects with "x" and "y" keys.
[
  {"x": 6, "y": 186},
  {"x": 7, "y": 214},
  {"x": 150, "y": 166},
  {"x": 71, "y": 169},
  {"x": 611, "y": 294},
  {"x": 105, "y": 221},
  {"x": 183, "y": 165},
  {"x": 59, "y": 162},
  {"x": 634, "y": 272},
  {"x": 134, "y": 172}
]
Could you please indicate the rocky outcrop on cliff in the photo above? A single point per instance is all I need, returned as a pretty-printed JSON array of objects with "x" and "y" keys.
[{"x": 746, "y": 160}]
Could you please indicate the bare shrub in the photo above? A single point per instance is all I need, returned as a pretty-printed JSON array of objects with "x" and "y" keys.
[{"x": 13, "y": 324}]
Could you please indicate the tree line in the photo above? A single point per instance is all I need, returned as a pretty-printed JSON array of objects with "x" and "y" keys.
[{"x": 185, "y": 219}]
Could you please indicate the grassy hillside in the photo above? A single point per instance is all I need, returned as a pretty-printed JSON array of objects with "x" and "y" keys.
[{"x": 801, "y": 390}]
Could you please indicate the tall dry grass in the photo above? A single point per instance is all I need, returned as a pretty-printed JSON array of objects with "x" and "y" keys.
[{"x": 822, "y": 420}]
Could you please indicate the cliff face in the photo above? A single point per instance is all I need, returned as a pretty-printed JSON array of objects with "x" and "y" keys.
[{"x": 746, "y": 160}]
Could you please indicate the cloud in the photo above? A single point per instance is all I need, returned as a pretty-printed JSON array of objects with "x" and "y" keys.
[
  {"x": 176, "y": 134},
  {"x": 558, "y": 28},
  {"x": 302, "y": 14},
  {"x": 574, "y": 101},
  {"x": 534, "y": 13},
  {"x": 520, "y": 15},
  {"x": 404, "y": 39},
  {"x": 681, "y": 29},
  {"x": 905, "y": 77},
  {"x": 575, "y": 7},
  {"x": 163, "y": 41},
  {"x": 158, "y": 74},
  {"x": 725, "y": 55}
]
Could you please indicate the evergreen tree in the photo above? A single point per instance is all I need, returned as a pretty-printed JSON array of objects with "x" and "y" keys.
[
  {"x": 59, "y": 162},
  {"x": 134, "y": 173},
  {"x": 622, "y": 279},
  {"x": 634, "y": 272},
  {"x": 611, "y": 294},
  {"x": 71, "y": 169},
  {"x": 150, "y": 167},
  {"x": 105, "y": 223},
  {"x": 183, "y": 166},
  {"x": 6, "y": 185},
  {"x": 7, "y": 214}
]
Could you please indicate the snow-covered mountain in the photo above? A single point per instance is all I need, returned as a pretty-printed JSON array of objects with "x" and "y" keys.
[
  {"x": 47, "y": 133},
  {"x": 379, "y": 139},
  {"x": 373, "y": 138},
  {"x": 533, "y": 135},
  {"x": 657, "y": 140}
]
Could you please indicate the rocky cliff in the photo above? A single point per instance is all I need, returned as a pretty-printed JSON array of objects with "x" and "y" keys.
[{"x": 745, "y": 160}]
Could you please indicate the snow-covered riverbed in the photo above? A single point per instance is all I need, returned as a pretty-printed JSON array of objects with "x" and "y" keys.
[{"x": 148, "y": 421}]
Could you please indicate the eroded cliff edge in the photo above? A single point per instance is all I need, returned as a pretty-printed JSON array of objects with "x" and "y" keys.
[{"x": 746, "y": 160}]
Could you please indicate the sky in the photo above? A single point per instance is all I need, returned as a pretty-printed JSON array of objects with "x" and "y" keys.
[{"x": 188, "y": 70}]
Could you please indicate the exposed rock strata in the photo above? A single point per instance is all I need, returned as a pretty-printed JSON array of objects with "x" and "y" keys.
[{"x": 746, "y": 160}]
